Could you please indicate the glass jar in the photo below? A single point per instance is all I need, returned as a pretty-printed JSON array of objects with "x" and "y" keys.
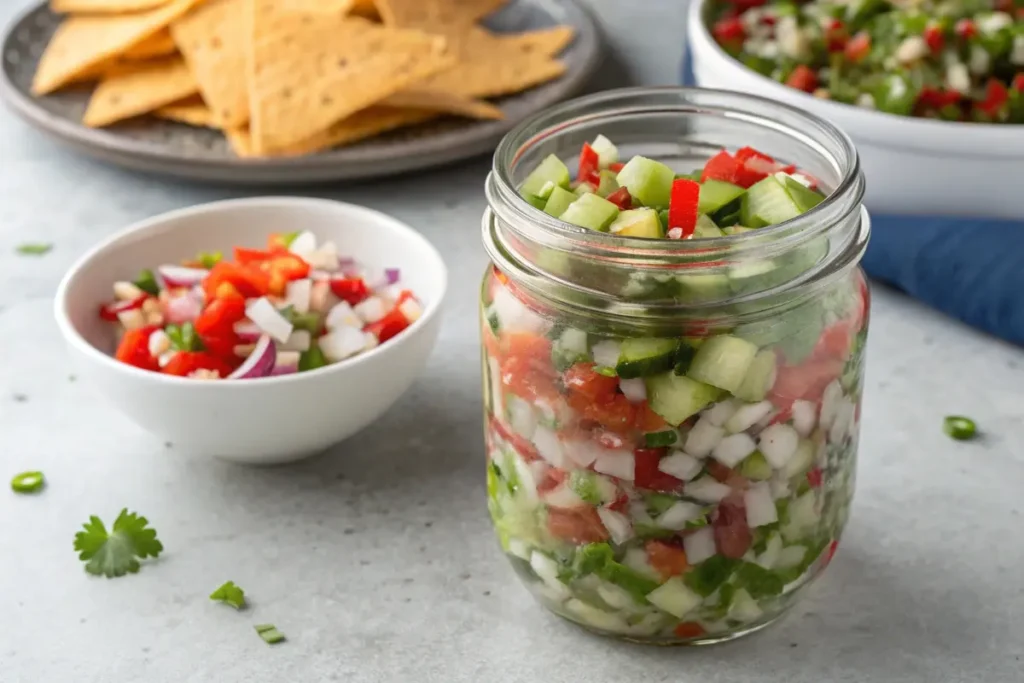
[{"x": 632, "y": 498}]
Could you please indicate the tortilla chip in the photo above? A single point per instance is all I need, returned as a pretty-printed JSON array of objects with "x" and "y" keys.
[
  {"x": 214, "y": 42},
  {"x": 128, "y": 92},
  {"x": 324, "y": 69},
  {"x": 192, "y": 111},
  {"x": 82, "y": 42},
  {"x": 435, "y": 14},
  {"x": 546, "y": 41},
  {"x": 445, "y": 103},
  {"x": 365, "y": 8},
  {"x": 103, "y": 6},
  {"x": 157, "y": 45}
]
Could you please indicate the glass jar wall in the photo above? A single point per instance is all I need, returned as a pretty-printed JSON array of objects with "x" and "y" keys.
[{"x": 671, "y": 425}]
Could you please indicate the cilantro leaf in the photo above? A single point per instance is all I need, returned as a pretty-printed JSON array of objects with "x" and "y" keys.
[
  {"x": 229, "y": 594},
  {"x": 34, "y": 248},
  {"x": 184, "y": 338},
  {"x": 116, "y": 553}
]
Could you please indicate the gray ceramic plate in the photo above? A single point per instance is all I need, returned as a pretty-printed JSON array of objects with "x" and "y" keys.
[{"x": 178, "y": 150}]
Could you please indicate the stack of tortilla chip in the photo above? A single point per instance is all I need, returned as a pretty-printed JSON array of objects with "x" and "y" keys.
[{"x": 292, "y": 77}]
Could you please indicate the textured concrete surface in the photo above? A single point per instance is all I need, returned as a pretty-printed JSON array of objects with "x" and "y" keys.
[{"x": 377, "y": 560}]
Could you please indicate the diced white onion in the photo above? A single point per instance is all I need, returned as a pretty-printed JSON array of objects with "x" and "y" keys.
[
  {"x": 830, "y": 403},
  {"x": 680, "y": 465},
  {"x": 562, "y": 496},
  {"x": 703, "y": 438},
  {"x": 159, "y": 342},
  {"x": 522, "y": 418},
  {"x": 341, "y": 343},
  {"x": 606, "y": 353},
  {"x": 266, "y": 317},
  {"x": 700, "y": 545},
  {"x": 298, "y": 340},
  {"x": 582, "y": 452},
  {"x": 843, "y": 421},
  {"x": 616, "y": 464},
  {"x": 324, "y": 258},
  {"x": 514, "y": 316},
  {"x": 731, "y": 450},
  {"x": 760, "y": 505},
  {"x": 721, "y": 411},
  {"x": 617, "y": 524},
  {"x": 681, "y": 512},
  {"x": 287, "y": 359},
  {"x": 342, "y": 315},
  {"x": 127, "y": 291},
  {"x": 132, "y": 319},
  {"x": 804, "y": 417},
  {"x": 303, "y": 245},
  {"x": 778, "y": 444},
  {"x": 411, "y": 309},
  {"x": 297, "y": 294},
  {"x": 371, "y": 309},
  {"x": 706, "y": 490},
  {"x": 549, "y": 447},
  {"x": 636, "y": 559},
  {"x": 747, "y": 415},
  {"x": 772, "y": 549},
  {"x": 780, "y": 486},
  {"x": 634, "y": 389},
  {"x": 165, "y": 358}
]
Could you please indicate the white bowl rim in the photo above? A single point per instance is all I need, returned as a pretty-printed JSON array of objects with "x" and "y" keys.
[
  {"x": 890, "y": 129},
  {"x": 156, "y": 223}
]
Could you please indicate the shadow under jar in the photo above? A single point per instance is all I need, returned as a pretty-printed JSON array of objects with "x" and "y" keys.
[{"x": 671, "y": 425}]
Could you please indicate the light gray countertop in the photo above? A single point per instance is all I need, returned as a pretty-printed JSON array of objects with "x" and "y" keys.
[{"x": 377, "y": 560}]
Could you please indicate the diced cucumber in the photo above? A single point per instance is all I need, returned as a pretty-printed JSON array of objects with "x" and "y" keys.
[
  {"x": 592, "y": 487},
  {"x": 546, "y": 191},
  {"x": 661, "y": 439},
  {"x": 759, "y": 378},
  {"x": 642, "y": 357},
  {"x": 535, "y": 201},
  {"x": 756, "y": 467},
  {"x": 677, "y": 397},
  {"x": 607, "y": 152},
  {"x": 608, "y": 184},
  {"x": 723, "y": 362},
  {"x": 585, "y": 188},
  {"x": 697, "y": 288},
  {"x": 592, "y": 212},
  {"x": 569, "y": 348},
  {"x": 736, "y": 230},
  {"x": 559, "y": 201},
  {"x": 706, "y": 228},
  {"x": 675, "y": 598},
  {"x": 648, "y": 180},
  {"x": 803, "y": 517},
  {"x": 684, "y": 355},
  {"x": 637, "y": 223},
  {"x": 550, "y": 170},
  {"x": 714, "y": 194},
  {"x": 804, "y": 197},
  {"x": 801, "y": 460},
  {"x": 744, "y": 608},
  {"x": 768, "y": 201}
]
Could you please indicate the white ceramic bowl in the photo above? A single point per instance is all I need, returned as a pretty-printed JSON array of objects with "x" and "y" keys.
[
  {"x": 263, "y": 421},
  {"x": 912, "y": 165}
]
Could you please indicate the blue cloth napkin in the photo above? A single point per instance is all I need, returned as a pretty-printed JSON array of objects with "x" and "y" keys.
[{"x": 970, "y": 269}]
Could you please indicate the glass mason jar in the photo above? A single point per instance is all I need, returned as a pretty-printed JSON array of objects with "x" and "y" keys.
[{"x": 632, "y": 498}]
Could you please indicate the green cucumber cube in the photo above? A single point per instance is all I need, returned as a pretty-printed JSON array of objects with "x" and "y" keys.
[
  {"x": 592, "y": 212},
  {"x": 723, "y": 362},
  {"x": 609, "y": 184},
  {"x": 649, "y": 181},
  {"x": 550, "y": 170},
  {"x": 559, "y": 201},
  {"x": 637, "y": 223},
  {"x": 759, "y": 378},
  {"x": 714, "y": 194},
  {"x": 677, "y": 397},
  {"x": 769, "y": 202},
  {"x": 804, "y": 197},
  {"x": 706, "y": 228}
]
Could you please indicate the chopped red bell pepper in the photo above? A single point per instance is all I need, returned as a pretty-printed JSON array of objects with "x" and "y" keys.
[
  {"x": 689, "y": 629},
  {"x": 682, "y": 208},
  {"x": 350, "y": 289},
  {"x": 858, "y": 48},
  {"x": 803, "y": 78},
  {"x": 744, "y": 153},
  {"x": 388, "y": 326},
  {"x": 248, "y": 280},
  {"x": 134, "y": 348},
  {"x": 722, "y": 166},
  {"x": 729, "y": 31},
  {"x": 220, "y": 316},
  {"x": 996, "y": 95},
  {"x": 965, "y": 28},
  {"x": 589, "y": 165},
  {"x": 581, "y": 525},
  {"x": 245, "y": 256},
  {"x": 222, "y": 346},
  {"x": 648, "y": 476},
  {"x": 621, "y": 198},
  {"x": 184, "y": 363},
  {"x": 110, "y": 310},
  {"x": 933, "y": 38}
]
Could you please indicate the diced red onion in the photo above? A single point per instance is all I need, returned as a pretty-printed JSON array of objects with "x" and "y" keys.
[
  {"x": 260, "y": 362},
  {"x": 346, "y": 261},
  {"x": 180, "y": 276},
  {"x": 392, "y": 275},
  {"x": 351, "y": 269},
  {"x": 182, "y": 309},
  {"x": 267, "y": 318},
  {"x": 247, "y": 331}
]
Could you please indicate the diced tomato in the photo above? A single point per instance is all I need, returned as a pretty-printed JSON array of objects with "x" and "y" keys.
[
  {"x": 830, "y": 553},
  {"x": 732, "y": 535},
  {"x": 184, "y": 363},
  {"x": 814, "y": 478},
  {"x": 552, "y": 478},
  {"x": 226, "y": 290},
  {"x": 615, "y": 413},
  {"x": 805, "y": 381},
  {"x": 836, "y": 36},
  {"x": 682, "y": 208},
  {"x": 646, "y": 473},
  {"x": 729, "y": 31},
  {"x": 616, "y": 167},
  {"x": 222, "y": 346},
  {"x": 620, "y": 503},
  {"x": 589, "y": 165},
  {"x": 246, "y": 256},
  {"x": 858, "y": 48},
  {"x": 835, "y": 341},
  {"x": 388, "y": 326},
  {"x": 965, "y": 28},
  {"x": 350, "y": 289},
  {"x": 533, "y": 346},
  {"x": 220, "y": 316},
  {"x": 1018, "y": 82},
  {"x": 996, "y": 95},
  {"x": 803, "y": 78},
  {"x": 936, "y": 98},
  {"x": 290, "y": 266},
  {"x": 525, "y": 379},
  {"x": 576, "y": 526},
  {"x": 689, "y": 629},
  {"x": 667, "y": 559},
  {"x": 110, "y": 310},
  {"x": 248, "y": 280},
  {"x": 134, "y": 348},
  {"x": 621, "y": 198},
  {"x": 523, "y": 447},
  {"x": 722, "y": 166},
  {"x": 934, "y": 39},
  {"x": 647, "y": 420}
]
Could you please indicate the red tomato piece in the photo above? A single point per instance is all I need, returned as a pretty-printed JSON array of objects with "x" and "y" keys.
[
  {"x": 729, "y": 31},
  {"x": 1018, "y": 82},
  {"x": 732, "y": 535},
  {"x": 996, "y": 95},
  {"x": 814, "y": 478},
  {"x": 184, "y": 363},
  {"x": 682, "y": 208},
  {"x": 835, "y": 341},
  {"x": 525, "y": 379},
  {"x": 248, "y": 280},
  {"x": 647, "y": 420},
  {"x": 110, "y": 310},
  {"x": 620, "y": 503},
  {"x": 615, "y": 414},
  {"x": 222, "y": 346},
  {"x": 582, "y": 378},
  {"x": 589, "y": 165},
  {"x": 290, "y": 266},
  {"x": 667, "y": 559},
  {"x": 646, "y": 473},
  {"x": 576, "y": 526},
  {"x": 220, "y": 316},
  {"x": 744, "y": 153},
  {"x": 807, "y": 381},
  {"x": 965, "y": 28},
  {"x": 350, "y": 289},
  {"x": 533, "y": 346},
  {"x": 803, "y": 78},
  {"x": 754, "y": 169},
  {"x": 722, "y": 166},
  {"x": 621, "y": 198},
  {"x": 858, "y": 47},
  {"x": 934, "y": 39},
  {"x": 689, "y": 629},
  {"x": 388, "y": 326},
  {"x": 133, "y": 348},
  {"x": 836, "y": 36},
  {"x": 553, "y": 477}
]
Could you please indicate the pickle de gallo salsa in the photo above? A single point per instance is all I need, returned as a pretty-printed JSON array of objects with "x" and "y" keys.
[
  {"x": 672, "y": 489},
  {"x": 295, "y": 306},
  {"x": 955, "y": 60}
]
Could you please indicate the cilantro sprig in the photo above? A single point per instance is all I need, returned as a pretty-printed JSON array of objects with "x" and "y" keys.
[
  {"x": 184, "y": 337},
  {"x": 229, "y": 594},
  {"x": 117, "y": 552}
]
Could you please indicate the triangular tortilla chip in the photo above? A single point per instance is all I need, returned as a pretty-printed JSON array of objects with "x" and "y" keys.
[
  {"x": 435, "y": 14},
  {"x": 546, "y": 41},
  {"x": 445, "y": 103},
  {"x": 325, "y": 69},
  {"x": 129, "y": 92},
  {"x": 104, "y": 6},
  {"x": 213, "y": 39},
  {"x": 157, "y": 45},
  {"x": 192, "y": 111},
  {"x": 82, "y": 42}
]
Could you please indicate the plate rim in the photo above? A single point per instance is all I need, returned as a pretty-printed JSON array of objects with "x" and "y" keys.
[{"x": 425, "y": 152}]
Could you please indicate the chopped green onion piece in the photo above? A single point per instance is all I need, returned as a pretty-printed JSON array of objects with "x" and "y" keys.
[
  {"x": 269, "y": 633},
  {"x": 34, "y": 248},
  {"x": 959, "y": 427},
  {"x": 146, "y": 281},
  {"x": 660, "y": 439},
  {"x": 312, "y": 359},
  {"x": 605, "y": 370},
  {"x": 229, "y": 594},
  {"x": 27, "y": 482},
  {"x": 208, "y": 259}
]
